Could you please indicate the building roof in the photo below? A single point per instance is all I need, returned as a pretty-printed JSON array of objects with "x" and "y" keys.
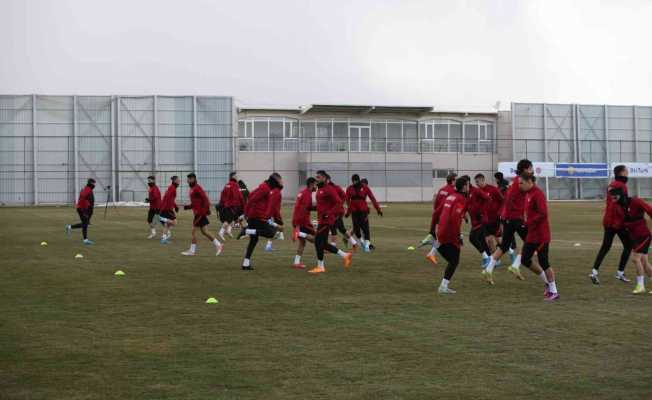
[{"x": 359, "y": 109}]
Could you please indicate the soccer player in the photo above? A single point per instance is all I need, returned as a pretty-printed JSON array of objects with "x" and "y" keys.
[
  {"x": 230, "y": 206},
  {"x": 493, "y": 209},
  {"x": 85, "y": 205},
  {"x": 613, "y": 224},
  {"x": 357, "y": 208},
  {"x": 154, "y": 200},
  {"x": 328, "y": 202},
  {"x": 201, "y": 209},
  {"x": 478, "y": 207},
  {"x": 244, "y": 190},
  {"x": 257, "y": 213},
  {"x": 302, "y": 226},
  {"x": 274, "y": 213},
  {"x": 437, "y": 200},
  {"x": 512, "y": 216},
  {"x": 538, "y": 234},
  {"x": 338, "y": 226},
  {"x": 501, "y": 182},
  {"x": 168, "y": 216},
  {"x": 448, "y": 219},
  {"x": 634, "y": 210}
]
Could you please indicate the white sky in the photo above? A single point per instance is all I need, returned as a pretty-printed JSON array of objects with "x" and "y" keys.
[{"x": 451, "y": 54}]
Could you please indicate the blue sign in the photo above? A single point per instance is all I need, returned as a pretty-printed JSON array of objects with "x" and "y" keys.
[{"x": 581, "y": 170}]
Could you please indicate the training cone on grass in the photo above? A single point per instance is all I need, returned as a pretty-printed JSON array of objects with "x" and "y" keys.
[
  {"x": 577, "y": 244},
  {"x": 119, "y": 273},
  {"x": 79, "y": 255},
  {"x": 411, "y": 248},
  {"x": 44, "y": 243},
  {"x": 211, "y": 300}
]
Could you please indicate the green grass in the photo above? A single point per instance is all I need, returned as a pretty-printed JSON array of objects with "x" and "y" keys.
[{"x": 70, "y": 329}]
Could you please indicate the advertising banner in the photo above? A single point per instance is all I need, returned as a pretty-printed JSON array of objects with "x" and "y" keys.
[
  {"x": 582, "y": 170},
  {"x": 636, "y": 169},
  {"x": 542, "y": 169}
]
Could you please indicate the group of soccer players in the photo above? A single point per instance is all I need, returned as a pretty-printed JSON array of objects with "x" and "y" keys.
[{"x": 496, "y": 213}]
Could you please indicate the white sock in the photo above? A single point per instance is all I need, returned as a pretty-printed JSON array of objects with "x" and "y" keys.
[
  {"x": 281, "y": 236},
  {"x": 216, "y": 243},
  {"x": 552, "y": 286},
  {"x": 163, "y": 219},
  {"x": 352, "y": 241},
  {"x": 251, "y": 232},
  {"x": 246, "y": 262},
  {"x": 297, "y": 259},
  {"x": 511, "y": 251},
  {"x": 320, "y": 263},
  {"x": 517, "y": 261},
  {"x": 640, "y": 280},
  {"x": 435, "y": 244},
  {"x": 222, "y": 231},
  {"x": 543, "y": 277},
  {"x": 444, "y": 283},
  {"x": 153, "y": 231},
  {"x": 303, "y": 235},
  {"x": 366, "y": 243},
  {"x": 619, "y": 273},
  {"x": 341, "y": 253},
  {"x": 193, "y": 247},
  {"x": 491, "y": 265},
  {"x": 485, "y": 255},
  {"x": 594, "y": 272},
  {"x": 333, "y": 244},
  {"x": 269, "y": 243}
]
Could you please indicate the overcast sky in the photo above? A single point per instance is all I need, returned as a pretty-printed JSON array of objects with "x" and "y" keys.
[{"x": 451, "y": 54}]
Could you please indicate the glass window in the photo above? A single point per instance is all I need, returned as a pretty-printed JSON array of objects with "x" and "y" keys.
[
  {"x": 455, "y": 138},
  {"x": 290, "y": 129},
  {"x": 276, "y": 129},
  {"x": 471, "y": 137},
  {"x": 241, "y": 129},
  {"x": 308, "y": 129}
]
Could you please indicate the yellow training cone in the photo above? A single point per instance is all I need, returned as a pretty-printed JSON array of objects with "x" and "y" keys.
[
  {"x": 211, "y": 300},
  {"x": 411, "y": 248},
  {"x": 44, "y": 243},
  {"x": 79, "y": 255},
  {"x": 119, "y": 273}
]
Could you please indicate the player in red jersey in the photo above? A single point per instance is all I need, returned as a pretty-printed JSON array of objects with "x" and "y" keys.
[
  {"x": 448, "y": 219},
  {"x": 201, "y": 209},
  {"x": 328, "y": 203},
  {"x": 154, "y": 200},
  {"x": 634, "y": 210},
  {"x": 613, "y": 223},
  {"x": 437, "y": 199},
  {"x": 338, "y": 226},
  {"x": 479, "y": 202},
  {"x": 230, "y": 206},
  {"x": 84, "y": 206},
  {"x": 492, "y": 227},
  {"x": 302, "y": 226},
  {"x": 537, "y": 240},
  {"x": 274, "y": 213},
  {"x": 257, "y": 213},
  {"x": 169, "y": 209},
  {"x": 357, "y": 208},
  {"x": 512, "y": 217}
]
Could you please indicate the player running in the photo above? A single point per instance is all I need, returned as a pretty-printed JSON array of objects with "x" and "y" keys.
[
  {"x": 538, "y": 235},
  {"x": 230, "y": 206},
  {"x": 512, "y": 216},
  {"x": 338, "y": 226},
  {"x": 493, "y": 209},
  {"x": 275, "y": 218},
  {"x": 613, "y": 224},
  {"x": 84, "y": 206},
  {"x": 169, "y": 209},
  {"x": 634, "y": 210},
  {"x": 257, "y": 213},
  {"x": 437, "y": 200},
  {"x": 448, "y": 220},
  {"x": 201, "y": 209},
  {"x": 154, "y": 200},
  {"x": 478, "y": 207},
  {"x": 302, "y": 226},
  {"x": 328, "y": 202},
  {"x": 356, "y": 201}
]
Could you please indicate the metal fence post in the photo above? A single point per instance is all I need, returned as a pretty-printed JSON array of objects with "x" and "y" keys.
[
  {"x": 34, "y": 152},
  {"x": 75, "y": 147}
]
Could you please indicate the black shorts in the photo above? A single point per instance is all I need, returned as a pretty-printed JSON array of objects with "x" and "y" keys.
[
  {"x": 510, "y": 228},
  {"x": 200, "y": 221},
  {"x": 492, "y": 228},
  {"x": 338, "y": 226},
  {"x": 226, "y": 214},
  {"x": 168, "y": 214},
  {"x": 450, "y": 253},
  {"x": 641, "y": 245},
  {"x": 542, "y": 254},
  {"x": 308, "y": 230},
  {"x": 151, "y": 213}
]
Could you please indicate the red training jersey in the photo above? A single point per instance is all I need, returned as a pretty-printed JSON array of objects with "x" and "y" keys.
[
  {"x": 86, "y": 198},
  {"x": 495, "y": 202},
  {"x": 231, "y": 196},
  {"x": 154, "y": 196},
  {"x": 536, "y": 217},
  {"x": 514, "y": 205},
  {"x": 342, "y": 195},
  {"x": 448, "y": 217},
  {"x": 258, "y": 202},
  {"x": 199, "y": 201},
  {"x": 328, "y": 203},
  {"x": 274, "y": 206},
  {"x": 614, "y": 215},
  {"x": 356, "y": 198},
  {"x": 302, "y": 208},
  {"x": 478, "y": 204},
  {"x": 635, "y": 218},
  {"x": 169, "y": 201}
]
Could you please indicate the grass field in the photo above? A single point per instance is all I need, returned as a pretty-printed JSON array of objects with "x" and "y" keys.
[{"x": 70, "y": 329}]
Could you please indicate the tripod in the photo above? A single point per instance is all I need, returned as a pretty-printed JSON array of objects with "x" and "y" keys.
[{"x": 109, "y": 198}]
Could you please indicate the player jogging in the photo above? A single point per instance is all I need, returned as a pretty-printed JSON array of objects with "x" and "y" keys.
[
  {"x": 338, "y": 226},
  {"x": 437, "y": 199},
  {"x": 613, "y": 224},
  {"x": 328, "y": 202},
  {"x": 230, "y": 206},
  {"x": 448, "y": 220},
  {"x": 634, "y": 210},
  {"x": 274, "y": 214},
  {"x": 84, "y": 206},
  {"x": 512, "y": 216},
  {"x": 492, "y": 226},
  {"x": 478, "y": 207},
  {"x": 357, "y": 208},
  {"x": 168, "y": 216},
  {"x": 154, "y": 200},
  {"x": 257, "y": 213},
  {"x": 302, "y": 226},
  {"x": 201, "y": 209}
]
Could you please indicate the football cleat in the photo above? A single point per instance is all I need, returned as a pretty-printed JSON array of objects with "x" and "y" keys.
[
  {"x": 248, "y": 268},
  {"x": 594, "y": 279},
  {"x": 151, "y": 235},
  {"x": 268, "y": 246},
  {"x": 299, "y": 266},
  {"x": 432, "y": 259},
  {"x": 426, "y": 241},
  {"x": 516, "y": 272},
  {"x": 347, "y": 259},
  {"x": 640, "y": 289},
  {"x": 88, "y": 242},
  {"x": 188, "y": 253},
  {"x": 446, "y": 290},
  {"x": 622, "y": 278},
  {"x": 552, "y": 297},
  {"x": 317, "y": 270},
  {"x": 488, "y": 277}
]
